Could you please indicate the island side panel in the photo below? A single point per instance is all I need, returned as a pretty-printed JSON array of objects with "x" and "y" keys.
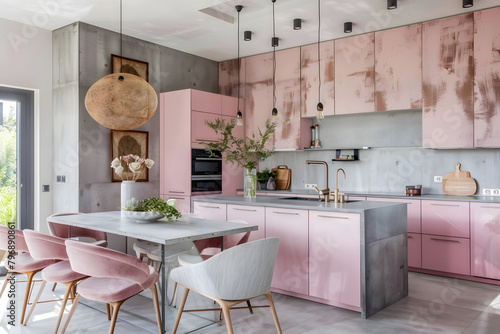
[{"x": 384, "y": 274}]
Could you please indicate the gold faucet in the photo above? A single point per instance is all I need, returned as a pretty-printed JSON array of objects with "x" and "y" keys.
[
  {"x": 325, "y": 192},
  {"x": 336, "y": 194}
]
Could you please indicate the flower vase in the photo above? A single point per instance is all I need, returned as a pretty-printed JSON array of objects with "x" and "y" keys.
[
  {"x": 128, "y": 191},
  {"x": 250, "y": 183}
]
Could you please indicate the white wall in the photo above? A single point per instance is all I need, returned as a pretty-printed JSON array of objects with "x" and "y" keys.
[{"x": 26, "y": 62}]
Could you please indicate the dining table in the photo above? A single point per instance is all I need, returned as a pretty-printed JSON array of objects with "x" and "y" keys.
[{"x": 162, "y": 231}]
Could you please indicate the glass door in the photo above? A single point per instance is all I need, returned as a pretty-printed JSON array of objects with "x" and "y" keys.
[{"x": 16, "y": 157}]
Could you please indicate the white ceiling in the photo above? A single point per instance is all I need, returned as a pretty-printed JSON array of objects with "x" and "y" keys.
[{"x": 183, "y": 26}]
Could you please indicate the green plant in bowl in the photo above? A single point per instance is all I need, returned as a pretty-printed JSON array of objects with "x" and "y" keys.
[
  {"x": 264, "y": 176},
  {"x": 154, "y": 204}
]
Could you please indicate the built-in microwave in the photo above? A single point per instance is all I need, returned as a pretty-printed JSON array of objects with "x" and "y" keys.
[{"x": 206, "y": 171}]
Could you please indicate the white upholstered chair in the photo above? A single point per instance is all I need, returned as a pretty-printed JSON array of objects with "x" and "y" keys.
[{"x": 231, "y": 277}]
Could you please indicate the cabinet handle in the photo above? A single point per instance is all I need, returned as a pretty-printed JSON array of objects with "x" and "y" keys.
[
  {"x": 210, "y": 140},
  {"x": 445, "y": 204},
  {"x": 447, "y": 240},
  {"x": 209, "y": 207},
  {"x": 490, "y": 207},
  {"x": 176, "y": 192},
  {"x": 286, "y": 213},
  {"x": 252, "y": 210},
  {"x": 334, "y": 217},
  {"x": 179, "y": 198}
]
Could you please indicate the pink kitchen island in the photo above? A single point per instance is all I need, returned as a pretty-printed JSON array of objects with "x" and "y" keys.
[{"x": 350, "y": 255}]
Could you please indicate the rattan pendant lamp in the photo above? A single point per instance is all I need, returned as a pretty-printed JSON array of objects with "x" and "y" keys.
[{"x": 121, "y": 101}]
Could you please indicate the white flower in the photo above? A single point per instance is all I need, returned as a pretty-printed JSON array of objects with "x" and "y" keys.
[
  {"x": 135, "y": 167},
  {"x": 149, "y": 163},
  {"x": 118, "y": 170},
  {"x": 116, "y": 163}
]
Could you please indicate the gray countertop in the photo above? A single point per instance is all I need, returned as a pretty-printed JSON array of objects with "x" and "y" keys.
[
  {"x": 283, "y": 202},
  {"x": 435, "y": 197}
]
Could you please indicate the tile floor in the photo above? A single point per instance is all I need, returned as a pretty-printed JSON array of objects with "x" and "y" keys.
[{"x": 434, "y": 305}]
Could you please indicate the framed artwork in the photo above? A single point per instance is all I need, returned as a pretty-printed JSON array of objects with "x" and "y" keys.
[
  {"x": 129, "y": 142},
  {"x": 132, "y": 66}
]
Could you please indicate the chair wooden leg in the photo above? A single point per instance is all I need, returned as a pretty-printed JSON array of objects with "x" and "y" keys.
[
  {"x": 108, "y": 311},
  {"x": 54, "y": 286},
  {"x": 273, "y": 311},
  {"x": 69, "y": 289},
  {"x": 173, "y": 294},
  {"x": 27, "y": 293},
  {"x": 70, "y": 314},
  {"x": 116, "y": 309},
  {"x": 37, "y": 298},
  {"x": 227, "y": 317},
  {"x": 157, "y": 307},
  {"x": 6, "y": 282},
  {"x": 181, "y": 308},
  {"x": 250, "y": 307}
]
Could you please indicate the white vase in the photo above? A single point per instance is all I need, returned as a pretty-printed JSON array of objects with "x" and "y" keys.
[
  {"x": 250, "y": 183},
  {"x": 128, "y": 191}
]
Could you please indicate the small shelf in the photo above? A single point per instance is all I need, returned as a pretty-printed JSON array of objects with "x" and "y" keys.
[{"x": 346, "y": 157}]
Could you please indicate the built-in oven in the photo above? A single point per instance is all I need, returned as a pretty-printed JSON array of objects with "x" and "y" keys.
[{"x": 206, "y": 171}]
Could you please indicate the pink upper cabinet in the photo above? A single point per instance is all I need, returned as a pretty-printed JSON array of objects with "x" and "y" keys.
[
  {"x": 309, "y": 72},
  {"x": 487, "y": 78},
  {"x": 447, "y": 82},
  {"x": 205, "y": 101},
  {"x": 287, "y": 133},
  {"x": 354, "y": 74},
  {"x": 258, "y": 93},
  {"x": 398, "y": 68}
]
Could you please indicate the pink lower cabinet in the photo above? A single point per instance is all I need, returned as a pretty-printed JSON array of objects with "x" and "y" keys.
[
  {"x": 446, "y": 218},
  {"x": 485, "y": 240},
  {"x": 253, "y": 215},
  {"x": 334, "y": 257},
  {"x": 183, "y": 203},
  {"x": 446, "y": 254},
  {"x": 291, "y": 271},
  {"x": 415, "y": 250},
  {"x": 215, "y": 211}
]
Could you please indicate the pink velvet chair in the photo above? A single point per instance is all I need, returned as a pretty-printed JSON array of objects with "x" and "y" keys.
[
  {"x": 46, "y": 247},
  {"x": 24, "y": 263},
  {"x": 114, "y": 278},
  {"x": 62, "y": 231}
]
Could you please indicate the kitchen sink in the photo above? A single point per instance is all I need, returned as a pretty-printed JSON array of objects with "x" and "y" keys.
[{"x": 307, "y": 199}]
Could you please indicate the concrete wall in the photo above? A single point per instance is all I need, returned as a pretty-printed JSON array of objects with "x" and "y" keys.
[
  {"x": 394, "y": 160},
  {"x": 26, "y": 63}
]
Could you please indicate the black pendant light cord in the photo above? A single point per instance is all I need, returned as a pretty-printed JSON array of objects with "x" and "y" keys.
[
  {"x": 274, "y": 60},
  {"x": 319, "y": 57},
  {"x": 238, "y": 108},
  {"x": 121, "y": 37}
]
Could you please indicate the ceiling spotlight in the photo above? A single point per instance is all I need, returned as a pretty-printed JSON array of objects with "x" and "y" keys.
[
  {"x": 467, "y": 3},
  {"x": 392, "y": 4},
  {"x": 247, "y": 35},
  {"x": 297, "y": 24},
  {"x": 347, "y": 27}
]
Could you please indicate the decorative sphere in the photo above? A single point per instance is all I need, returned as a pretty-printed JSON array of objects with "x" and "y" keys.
[{"x": 121, "y": 101}]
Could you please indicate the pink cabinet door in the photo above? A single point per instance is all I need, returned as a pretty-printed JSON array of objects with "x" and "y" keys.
[
  {"x": 175, "y": 159},
  {"x": 485, "y": 240},
  {"x": 487, "y": 78},
  {"x": 446, "y": 254},
  {"x": 287, "y": 132},
  {"x": 415, "y": 250},
  {"x": 253, "y": 215},
  {"x": 205, "y": 101},
  {"x": 334, "y": 257},
  {"x": 232, "y": 174},
  {"x": 445, "y": 218},
  {"x": 183, "y": 203},
  {"x": 214, "y": 211},
  {"x": 447, "y": 82},
  {"x": 412, "y": 209},
  {"x": 355, "y": 74},
  {"x": 398, "y": 68},
  {"x": 200, "y": 132},
  {"x": 309, "y": 83},
  {"x": 291, "y": 269},
  {"x": 258, "y": 94}
]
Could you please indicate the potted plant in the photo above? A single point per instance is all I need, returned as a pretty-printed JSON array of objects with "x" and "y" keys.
[
  {"x": 264, "y": 176},
  {"x": 245, "y": 152}
]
